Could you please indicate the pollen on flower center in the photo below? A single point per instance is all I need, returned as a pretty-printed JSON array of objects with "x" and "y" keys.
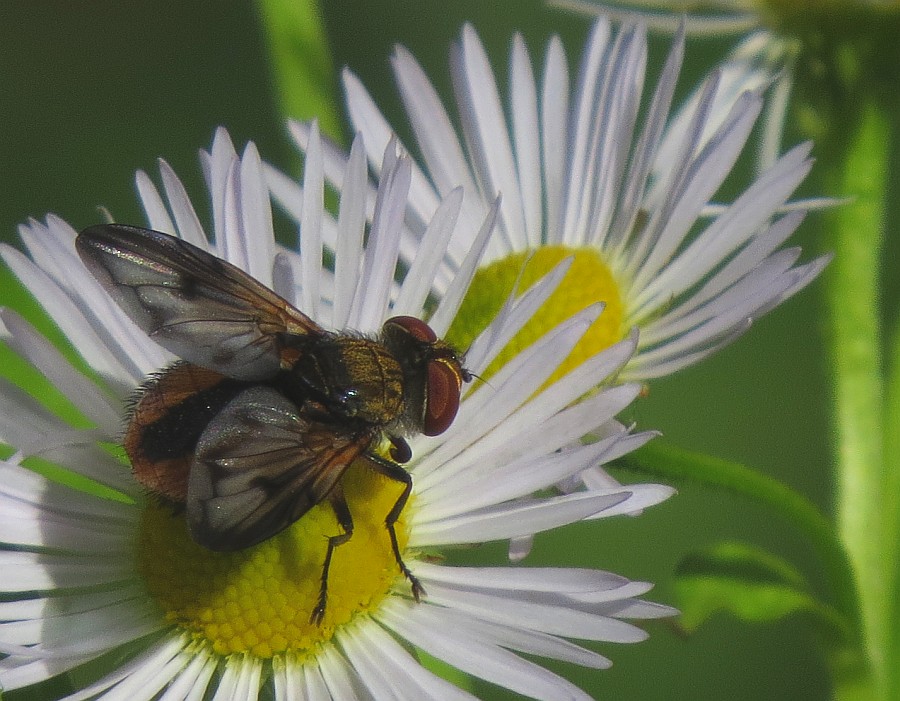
[
  {"x": 588, "y": 280},
  {"x": 259, "y": 600}
]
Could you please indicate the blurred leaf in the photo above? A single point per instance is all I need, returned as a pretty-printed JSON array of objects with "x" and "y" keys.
[
  {"x": 753, "y": 585},
  {"x": 673, "y": 464},
  {"x": 301, "y": 62}
]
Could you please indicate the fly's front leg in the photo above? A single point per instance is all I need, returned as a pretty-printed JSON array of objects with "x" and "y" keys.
[
  {"x": 393, "y": 471},
  {"x": 345, "y": 520}
]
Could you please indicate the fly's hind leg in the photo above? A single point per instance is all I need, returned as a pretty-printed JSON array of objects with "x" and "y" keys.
[
  {"x": 395, "y": 472},
  {"x": 345, "y": 521}
]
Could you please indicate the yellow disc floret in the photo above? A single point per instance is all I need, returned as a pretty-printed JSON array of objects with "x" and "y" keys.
[
  {"x": 588, "y": 280},
  {"x": 259, "y": 601}
]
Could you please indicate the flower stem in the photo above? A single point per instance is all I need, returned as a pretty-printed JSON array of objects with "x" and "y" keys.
[{"x": 852, "y": 297}]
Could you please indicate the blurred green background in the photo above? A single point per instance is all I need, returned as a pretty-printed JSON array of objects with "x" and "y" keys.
[{"x": 91, "y": 92}]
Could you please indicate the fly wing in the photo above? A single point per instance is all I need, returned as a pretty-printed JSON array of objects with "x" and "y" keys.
[
  {"x": 260, "y": 465},
  {"x": 199, "y": 307}
]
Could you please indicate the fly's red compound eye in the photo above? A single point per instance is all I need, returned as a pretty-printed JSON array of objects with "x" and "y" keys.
[
  {"x": 416, "y": 328},
  {"x": 442, "y": 403}
]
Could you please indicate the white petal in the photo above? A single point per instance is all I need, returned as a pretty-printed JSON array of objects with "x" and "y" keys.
[
  {"x": 432, "y": 630},
  {"x": 310, "y": 225},
  {"x": 511, "y": 520}
]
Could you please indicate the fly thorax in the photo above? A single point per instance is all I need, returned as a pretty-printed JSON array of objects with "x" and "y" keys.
[{"x": 355, "y": 378}]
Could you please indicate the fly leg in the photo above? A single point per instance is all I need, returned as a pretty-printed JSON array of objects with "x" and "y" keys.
[
  {"x": 345, "y": 520},
  {"x": 395, "y": 472}
]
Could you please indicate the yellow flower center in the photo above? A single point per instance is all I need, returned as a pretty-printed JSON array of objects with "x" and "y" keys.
[
  {"x": 259, "y": 600},
  {"x": 588, "y": 280}
]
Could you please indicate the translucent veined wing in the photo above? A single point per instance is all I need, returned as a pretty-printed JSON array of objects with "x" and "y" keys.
[
  {"x": 260, "y": 465},
  {"x": 199, "y": 307}
]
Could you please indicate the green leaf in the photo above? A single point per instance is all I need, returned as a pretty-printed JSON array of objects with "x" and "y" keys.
[
  {"x": 673, "y": 464},
  {"x": 753, "y": 585},
  {"x": 301, "y": 62}
]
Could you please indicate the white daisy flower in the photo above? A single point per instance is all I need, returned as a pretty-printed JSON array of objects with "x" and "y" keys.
[
  {"x": 585, "y": 170},
  {"x": 104, "y": 584}
]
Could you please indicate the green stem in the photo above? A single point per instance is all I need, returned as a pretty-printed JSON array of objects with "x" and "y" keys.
[
  {"x": 674, "y": 464},
  {"x": 891, "y": 508},
  {"x": 852, "y": 297}
]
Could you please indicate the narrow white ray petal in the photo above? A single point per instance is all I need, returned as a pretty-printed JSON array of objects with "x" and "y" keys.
[
  {"x": 193, "y": 681},
  {"x": 635, "y": 608},
  {"x": 33, "y": 430},
  {"x": 18, "y": 672},
  {"x": 728, "y": 232},
  {"x": 797, "y": 279},
  {"x": 380, "y": 261},
  {"x": 762, "y": 245},
  {"x": 143, "y": 677},
  {"x": 342, "y": 681},
  {"x": 88, "y": 633},
  {"x": 351, "y": 229},
  {"x": 66, "y": 603},
  {"x": 284, "y": 281},
  {"x": 697, "y": 24},
  {"x": 57, "y": 250},
  {"x": 486, "y": 132},
  {"x": 286, "y": 679},
  {"x": 582, "y": 122},
  {"x": 409, "y": 679},
  {"x": 437, "y": 141},
  {"x": 256, "y": 217},
  {"x": 417, "y": 283},
  {"x": 525, "y": 435},
  {"x": 514, "y": 474},
  {"x": 154, "y": 207},
  {"x": 554, "y": 126},
  {"x": 665, "y": 361},
  {"x": 641, "y": 159},
  {"x": 526, "y": 140},
  {"x": 218, "y": 166},
  {"x": 641, "y": 496},
  {"x": 314, "y": 687},
  {"x": 22, "y": 526},
  {"x": 241, "y": 679},
  {"x": 453, "y": 297},
  {"x": 368, "y": 120},
  {"x": 334, "y": 166},
  {"x": 515, "y": 313},
  {"x": 510, "y": 608},
  {"x": 230, "y": 245},
  {"x": 370, "y": 672},
  {"x": 25, "y": 571},
  {"x": 513, "y": 384},
  {"x": 96, "y": 405},
  {"x": 745, "y": 294},
  {"x": 610, "y": 136},
  {"x": 512, "y": 520},
  {"x": 668, "y": 175},
  {"x": 432, "y": 629},
  {"x": 521, "y": 579},
  {"x": 187, "y": 222},
  {"x": 30, "y": 488},
  {"x": 310, "y": 224},
  {"x": 89, "y": 340},
  {"x": 702, "y": 178},
  {"x": 590, "y": 600},
  {"x": 517, "y": 638}
]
